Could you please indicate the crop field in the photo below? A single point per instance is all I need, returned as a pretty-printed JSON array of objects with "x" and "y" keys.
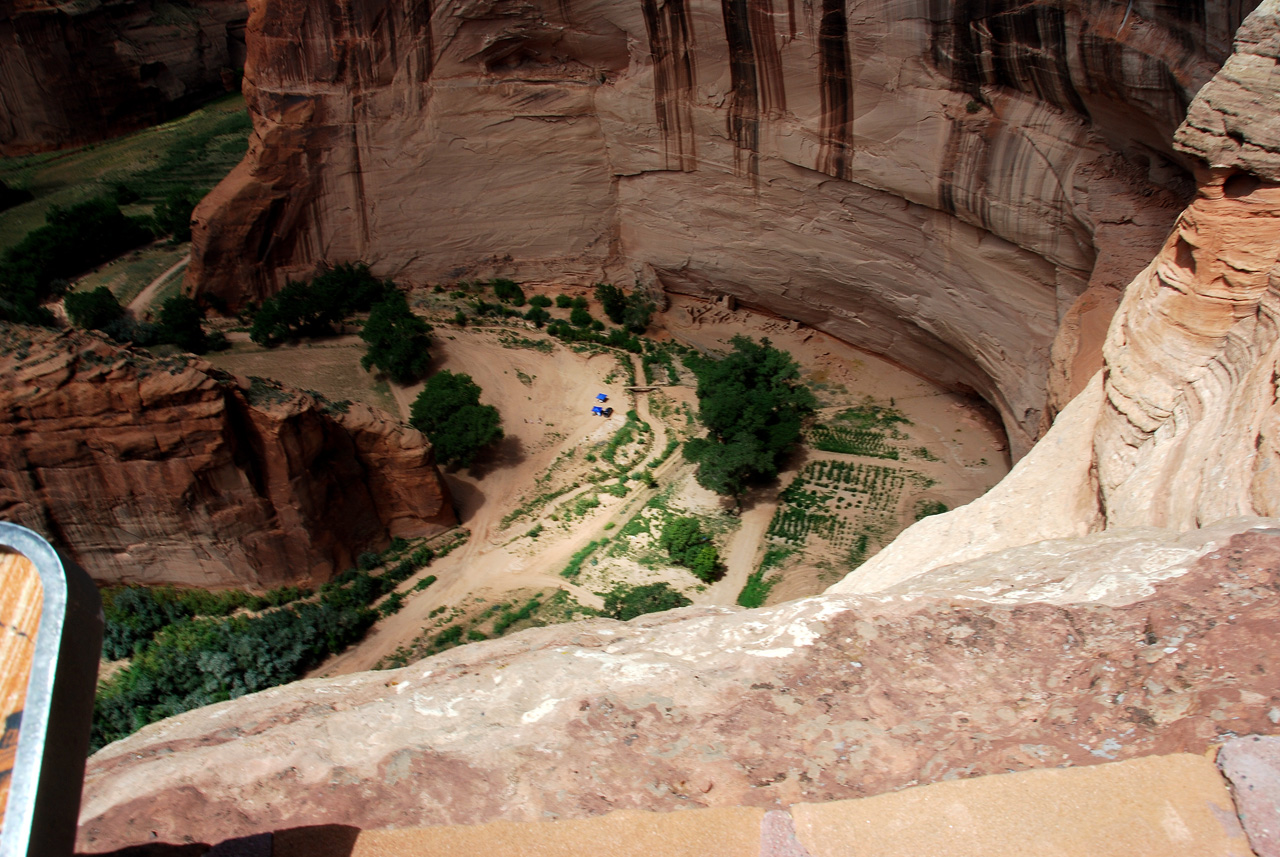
[{"x": 849, "y": 505}]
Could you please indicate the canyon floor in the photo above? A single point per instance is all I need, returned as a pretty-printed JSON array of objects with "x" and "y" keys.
[{"x": 566, "y": 485}]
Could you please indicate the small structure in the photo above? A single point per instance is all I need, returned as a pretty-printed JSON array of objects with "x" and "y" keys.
[
  {"x": 597, "y": 411},
  {"x": 601, "y": 397}
]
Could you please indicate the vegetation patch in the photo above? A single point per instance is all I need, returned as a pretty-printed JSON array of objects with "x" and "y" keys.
[{"x": 627, "y": 602}]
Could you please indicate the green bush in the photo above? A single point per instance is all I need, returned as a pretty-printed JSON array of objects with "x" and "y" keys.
[
  {"x": 508, "y": 291},
  {"x": 172, "y": 214},
  {"x": 93, "y": 310},
  {"x": 564, "y": 301},
  {"x": 537, "y": 315},
  {"x": 579, "y": 317},
  {"x": 627, "y": 602},
  {"x": 541, "y": 301},
  {"x": 688, "y": 545},
  {"x": 179, "y": 323}
]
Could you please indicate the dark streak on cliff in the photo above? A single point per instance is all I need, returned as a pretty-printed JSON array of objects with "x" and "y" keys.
[
  {"x": 674, "y": 79},
  {"x": 744, "y": 106},
  {"x": 836, "y": 85}
]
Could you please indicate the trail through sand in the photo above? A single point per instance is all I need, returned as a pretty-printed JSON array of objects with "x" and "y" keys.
[
  {"x": 142, "y": 302},
  {"x": 545, "y": 396}
]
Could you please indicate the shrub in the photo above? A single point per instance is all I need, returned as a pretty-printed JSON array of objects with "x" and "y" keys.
[
  {"x": 540, "y": 301},
  {"x": 564, "y": 301},
  {"x": 93, "y": 310},
  {"x": 538, "y": 316},
  {"x": 172, "y": 214},
  {"x": 180, "y": 324},
  {"x": 627, "y": 602},
  {"x": 508, "y": 291},
  {"x": 368, "y": 560},
  {"x": 685, "y": 542},
  {"x": 580, "y": 317}
]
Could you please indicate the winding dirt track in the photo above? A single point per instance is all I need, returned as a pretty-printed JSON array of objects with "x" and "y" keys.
[{"x": 142, "y": 302}]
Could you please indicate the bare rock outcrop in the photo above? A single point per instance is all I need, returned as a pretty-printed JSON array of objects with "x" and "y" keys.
[
  {"x": 169, "y": 471},
  {"x": 1182, "y": 427},
  {"x": 76, "y": 72},
  {"x": 819, "y": 699},
  {"x": 952, "y": 185}
]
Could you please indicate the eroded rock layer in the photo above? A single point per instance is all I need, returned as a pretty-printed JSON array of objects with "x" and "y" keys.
[
  {"x": 819, "y": 699},
  {"x": 169, "y": 471},
  {"x": 1182, "y": 426},
  {"x": 947, "y": 182}
]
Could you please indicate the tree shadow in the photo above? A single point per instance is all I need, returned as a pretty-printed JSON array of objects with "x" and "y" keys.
[{"x": 507, "y": 452}]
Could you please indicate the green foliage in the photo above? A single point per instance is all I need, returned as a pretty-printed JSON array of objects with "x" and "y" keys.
[
  {"x": 537, "y": 315},
  {"x": 627, "y": 602},
  {"x": 398, "y": 340},
  {"x": 689, "y": 545},
  {"x": 564, "y": 301},
  {"x": 753, "y": 407},
  {"x": 574, "y": 568},
  {"x": 460, "y": 318},
  {"x": 508, "y": 291},
  {"x": 72, "y": 240},
  {"x": 180, "y": 323},
  {"x": 541, "y": 301},
  {"x": 449, "y": 413},
  {"x": 852, "y": 441},
  {"x": 578, "y": 303},
  {"x": 616, "y": 338},
  {"x": 93, "y": 310},
  {"x": 927, "y": 508},
  {"x": 579, "y": 317},
  {"x": 756, "y": 590},
  {"x": 312, "y": 309},
  {"x": 638, "y": 312},
  {"x": 613, "y": 300},
  {"x": 172, "y": 214}
]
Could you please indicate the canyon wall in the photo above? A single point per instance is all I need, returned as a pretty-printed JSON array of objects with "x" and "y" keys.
[
  {"x": 1181, "y": 428},
  {"x": 149, "y": 470},
  {"x": 73, "y": 73},
  {"x": 946, "y": 182}
]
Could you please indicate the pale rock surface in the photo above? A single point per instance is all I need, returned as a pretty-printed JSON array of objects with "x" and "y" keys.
[
  {"x": 76, "y": 72},
  {"x": 1168, "y": 806},
  {"x": 942, "y": 183},
  {"x": 1181, "y": 428},
  {"x": 820, "y": 699},
  {"x": 167, "y": 470}
]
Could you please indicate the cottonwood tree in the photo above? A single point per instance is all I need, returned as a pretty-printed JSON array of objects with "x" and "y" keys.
[
  {"x": 754, "y": 406},
  {"x": 449, "y": 413}
]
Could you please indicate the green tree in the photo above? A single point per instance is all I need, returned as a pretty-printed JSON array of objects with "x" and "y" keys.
[
  {"x": 639, "y": 309},
  {"x": 579, "y": 317},
  {"x": 180, "y": 323},
  {"x": 537, "y": 315},
  {"x": 312, "y": 309},
  {"x": 753, "y": 406},
  {"x": 508, "y": 291},
  {"x": 173, "y": 213},
  {"x": 627, "y": 602},
  {"x": 689, "y": 545},
  {"x": 613, "y": 300},
  {"x": 449, "y": 413},
  {"x": 398, "y": 340},
  {"x": 93, "y": 310}
]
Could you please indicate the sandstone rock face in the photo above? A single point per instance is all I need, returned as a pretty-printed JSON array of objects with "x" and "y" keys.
[
  {"x": 1181, "y": 428},
  {"x": 168, "y": 471},
  {"x": 72, "y": 73},
  {"x": 948, "y": 183},
  {"x": 819, "y": 699}
]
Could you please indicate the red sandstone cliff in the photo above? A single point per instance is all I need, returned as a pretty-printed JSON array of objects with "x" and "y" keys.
[
  {"x": 72, "y": 73},
  {"x": 169, "y": 471},
  {"x": 952, "y": 189}
]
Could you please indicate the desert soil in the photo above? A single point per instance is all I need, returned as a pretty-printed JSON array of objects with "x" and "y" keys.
[{"x": 543, "y": 495}]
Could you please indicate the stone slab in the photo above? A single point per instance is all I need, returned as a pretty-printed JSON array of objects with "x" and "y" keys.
[
  {"x": 727, "y": 831},
  {"x": 1162, "y": 806},
  {"x": 1252, "y": 764}
]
